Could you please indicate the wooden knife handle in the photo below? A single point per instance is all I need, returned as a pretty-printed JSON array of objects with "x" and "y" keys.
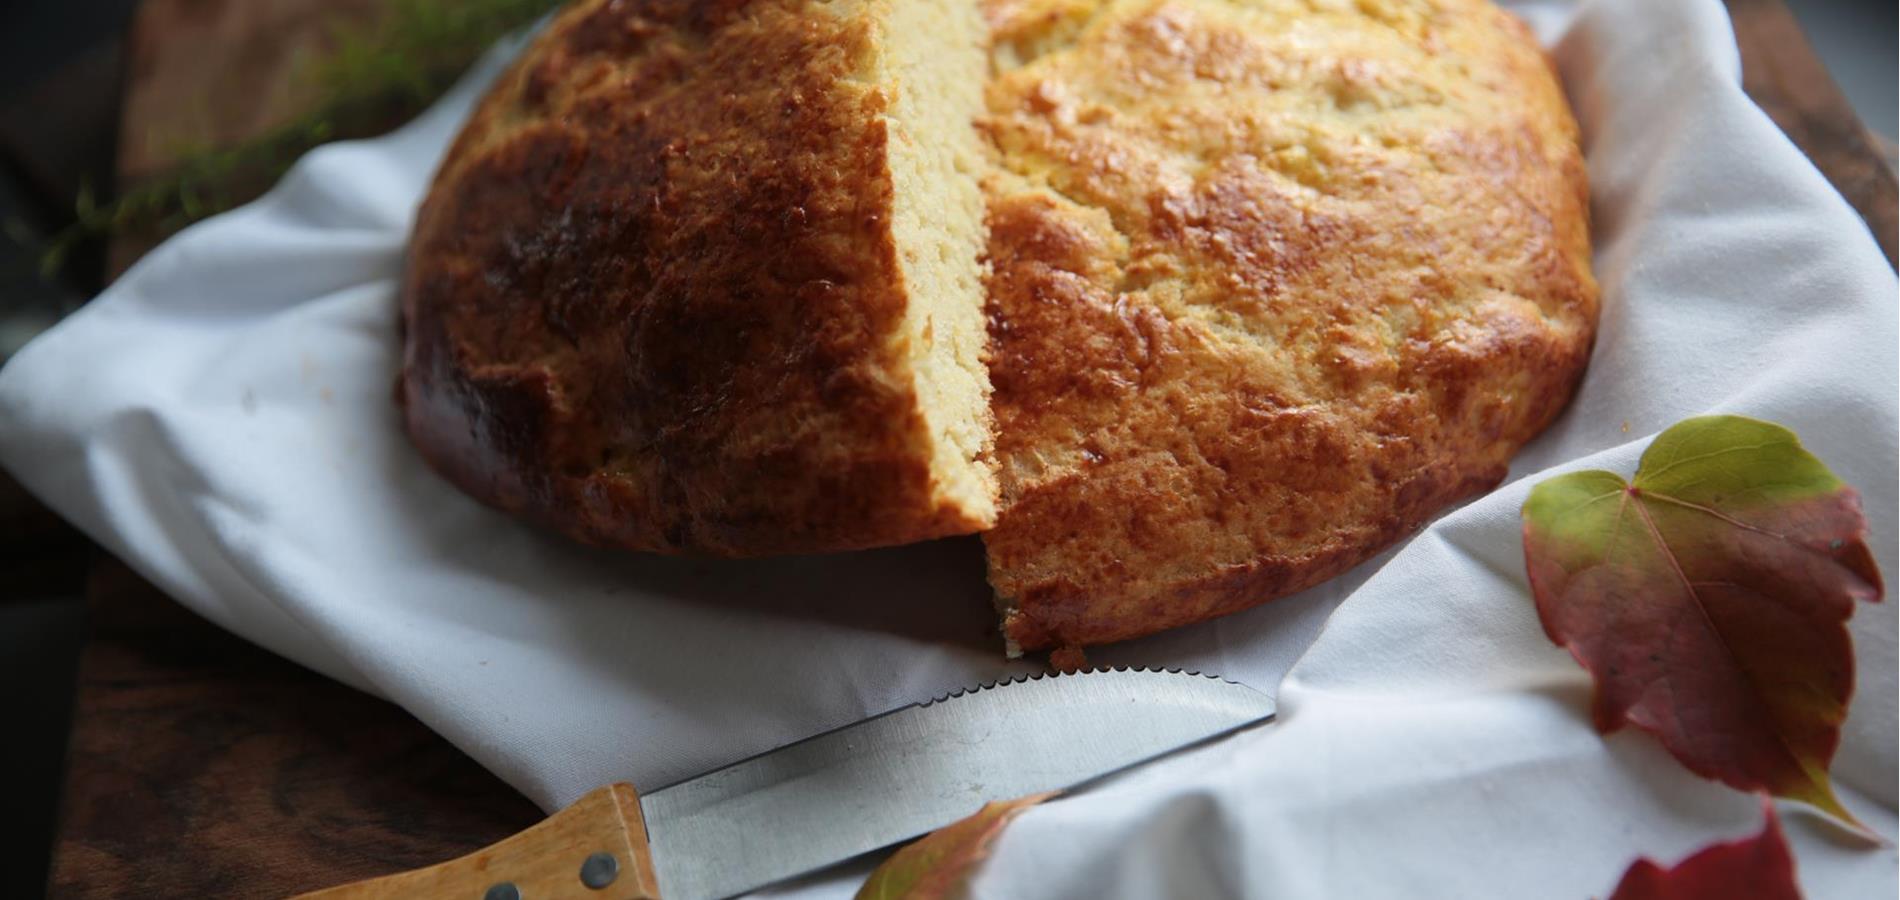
[{"x": 543, "y": 863}]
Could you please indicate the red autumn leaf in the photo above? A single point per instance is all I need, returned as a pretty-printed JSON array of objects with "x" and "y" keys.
[
  {"x": 1758, "y": 867},
  {"x": 935, "y": 866},
  {"x": 1709, "y": 599}
]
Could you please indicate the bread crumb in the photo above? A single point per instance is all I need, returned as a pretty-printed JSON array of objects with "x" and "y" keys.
[{"x": 1068, "y": 660}]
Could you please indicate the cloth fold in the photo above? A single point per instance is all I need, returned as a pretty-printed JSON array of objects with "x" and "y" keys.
[{"x": 221, "y": 419}]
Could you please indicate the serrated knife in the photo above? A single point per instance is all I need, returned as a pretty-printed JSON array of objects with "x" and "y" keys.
[{"x": 829, "y": 798}]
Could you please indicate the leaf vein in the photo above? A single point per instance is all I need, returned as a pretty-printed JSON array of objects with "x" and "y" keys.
[
  {"x": 1748, "y": 677},
  {"x": 1683, "y": 460},
  {"x": 1712, "y": 511},
  {"x": 1592, "y": 500}
]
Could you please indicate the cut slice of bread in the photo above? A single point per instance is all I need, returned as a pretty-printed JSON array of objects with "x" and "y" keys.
[
  {"x": 1274, "y": 283},
  {"x": 705, "y": 277}
]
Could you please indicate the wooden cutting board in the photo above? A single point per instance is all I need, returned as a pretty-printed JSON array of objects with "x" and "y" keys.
[
  {"x": 205, "y": 74},
  {"x": 210, "y": 73},
  {"x": 1786, "y": 79},
  {"x": 201, "y": 766}
]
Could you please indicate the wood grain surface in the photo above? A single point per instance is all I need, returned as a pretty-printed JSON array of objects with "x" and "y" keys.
[{"x": 202, "y": 766}]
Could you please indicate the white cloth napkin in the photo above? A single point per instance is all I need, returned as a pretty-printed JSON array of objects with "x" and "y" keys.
[{"x": 221, "y": 418}]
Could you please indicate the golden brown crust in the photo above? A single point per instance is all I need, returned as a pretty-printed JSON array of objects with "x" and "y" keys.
[
  {"x": 651, "y": 295},
  {"x": 1270, "y": 288}
]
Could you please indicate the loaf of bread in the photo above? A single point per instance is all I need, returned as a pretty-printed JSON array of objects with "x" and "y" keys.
[
  {"x": 1274, "y": 282},
  {"x": 1261, "y": 286},
  {"x": 705, "y": 276}
]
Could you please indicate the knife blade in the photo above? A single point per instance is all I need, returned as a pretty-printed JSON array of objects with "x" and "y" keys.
[
  {"x": 902, "y": 774},
  {"x": 831, "y": 797}
]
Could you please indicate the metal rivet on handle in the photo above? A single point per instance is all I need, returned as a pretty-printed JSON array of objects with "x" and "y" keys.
[
  {"x": 600, "y": 870},
  {"x": 503, "y": 891}
]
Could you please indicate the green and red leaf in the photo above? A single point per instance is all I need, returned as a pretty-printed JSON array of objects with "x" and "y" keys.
[
  {"x": 1709, "y": 599},
  {"x": 1759, "y": 867},
  {"x": 936, "y": 866}
]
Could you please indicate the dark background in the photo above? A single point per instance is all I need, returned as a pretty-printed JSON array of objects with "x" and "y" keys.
[
  {"x": 40, "y": 575},
  {"x": 59, "y": 81}
]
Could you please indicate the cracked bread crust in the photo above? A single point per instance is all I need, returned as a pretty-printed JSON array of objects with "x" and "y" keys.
[
  {"x": 651, "y": 297},
  {"x": 1273, "y": 283}
]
